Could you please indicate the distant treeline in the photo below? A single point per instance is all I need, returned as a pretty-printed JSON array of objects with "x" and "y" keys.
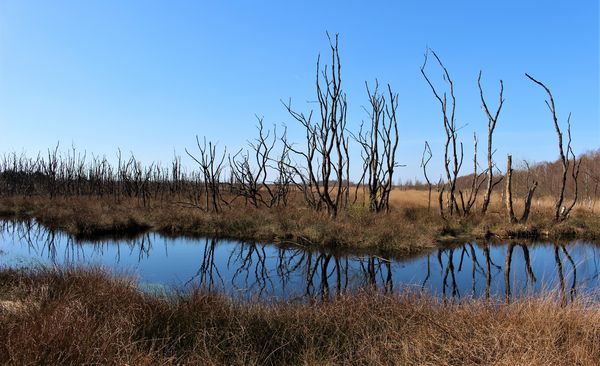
[
  {"x": 548, "y": 174},
  {"x": 74, "y": 174}
]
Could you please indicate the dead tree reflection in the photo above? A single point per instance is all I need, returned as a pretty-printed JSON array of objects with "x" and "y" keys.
[
  {"x": 428, "y": 272},
  {"x": 488, "y": 265},
  {"x": 480, "y": 268},
  {"x": 530, "y": 276},
  {"x": 372, "y": 270},
  {"x": 250, "y": 258},
  {"x": 507, "y": 264},
  {"x": 324, "y": 288},
  {"x": 341, "y": 272},
  {"x": 208, "y": 274},
  {"x": 288, "y": 262},
  {"x": 561, "y": 275},
  {"x": 528, "y": 268},
  {"x": 450, "y": 271},
  {"x": 389, "y": 284},
  {"x": 319, "y": 272},
  {"x": 475, "y": 267},
  {"x": 573, "y": 290}
]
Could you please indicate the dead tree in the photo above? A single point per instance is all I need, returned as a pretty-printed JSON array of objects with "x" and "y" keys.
[
  {"x": 529, "y": 196},
  {"x": 566, "y": 157},
  {"x": 508, "y": 194},
  {"x": 262, "y": 147},
  {"x": 379, "y": 145},
  {"x": 452, "y": 145},
  {"x": 251, "y": 177},
  {"x": 492, "y": 120},
  {"x": 211, "y": 166},
  {"x": 476, "y": 183},
  {"x": 284, "y": 178},
  {"x": 440, "y": 188},
  {"x": 51, "y": 170},
  {"x": 424, "y": 162},
  {"x": 243, "y": 181},
  {"x": 325, "y": 180}
]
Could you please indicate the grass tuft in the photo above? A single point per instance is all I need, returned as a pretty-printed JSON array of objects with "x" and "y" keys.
[{"x": 84, "y": 316}]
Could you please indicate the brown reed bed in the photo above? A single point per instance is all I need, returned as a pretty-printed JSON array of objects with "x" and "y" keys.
[
  {"x": 408, "y": 228},
  {"x": 84, "y": 316}
]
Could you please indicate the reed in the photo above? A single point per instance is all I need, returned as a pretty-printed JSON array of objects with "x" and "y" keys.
[{"x": 84, "y": 316}]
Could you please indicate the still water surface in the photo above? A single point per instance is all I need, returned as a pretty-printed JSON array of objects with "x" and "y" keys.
[{"x": 247, "y": 270}]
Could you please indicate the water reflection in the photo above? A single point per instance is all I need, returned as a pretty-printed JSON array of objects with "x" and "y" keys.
[{"x": 293, "y": 272}]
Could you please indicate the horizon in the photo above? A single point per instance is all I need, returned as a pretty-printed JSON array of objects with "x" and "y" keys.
[{"x": 147, "y": 79}]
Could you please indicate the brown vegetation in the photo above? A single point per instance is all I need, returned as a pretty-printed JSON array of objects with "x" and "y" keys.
[
  {"x": 409, "y": 227},
  {"x": 72, "y": 316}
]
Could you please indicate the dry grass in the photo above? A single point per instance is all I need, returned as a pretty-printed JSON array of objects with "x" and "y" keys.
[
  {"x": 356, "y": 228},
  {"x": 74, "y": 316},
  {"x": 408, "y": 228},
  {"x": 419, "y": 198},
  {"x": 412, "y": 198}
]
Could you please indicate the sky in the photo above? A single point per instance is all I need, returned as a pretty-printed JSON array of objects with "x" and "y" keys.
[{"x": 148, "y": 76}]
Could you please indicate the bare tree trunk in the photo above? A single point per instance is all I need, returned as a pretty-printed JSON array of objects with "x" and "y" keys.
[
  {"x": 379, "y": 145},
  {"x": 424, "y": 162},
  {"x": 452, "y": 145},
  {"x": 509, "y": 202},
  {"x": 528, "y": 199},
  {"x": 325, "y": 182},
  {"x": 491, "y": 126},
  {"x": 475, "y": 183},
  {"x": 212, "y": 168},
  {"x": 561, "y": 212},
  {"x": 441, "y": 188}
]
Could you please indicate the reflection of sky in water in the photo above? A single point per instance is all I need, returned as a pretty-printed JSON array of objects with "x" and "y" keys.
[{"x": 248, "y": 270}]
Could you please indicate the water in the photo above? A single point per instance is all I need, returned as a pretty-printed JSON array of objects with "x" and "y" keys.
[{"x": 246, "y": 270}]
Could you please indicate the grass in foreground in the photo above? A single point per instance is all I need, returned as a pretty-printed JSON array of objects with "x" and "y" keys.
[{"x": 77, "y": 316}]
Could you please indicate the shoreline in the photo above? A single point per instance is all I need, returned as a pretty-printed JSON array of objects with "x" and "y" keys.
[{"x": 401, "y": 232}]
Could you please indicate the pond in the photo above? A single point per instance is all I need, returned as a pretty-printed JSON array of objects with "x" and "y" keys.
[{"x": 248, "y": 270}]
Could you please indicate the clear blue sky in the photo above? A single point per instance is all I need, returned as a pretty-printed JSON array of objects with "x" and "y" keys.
[{"x": 147, "y": 76}]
